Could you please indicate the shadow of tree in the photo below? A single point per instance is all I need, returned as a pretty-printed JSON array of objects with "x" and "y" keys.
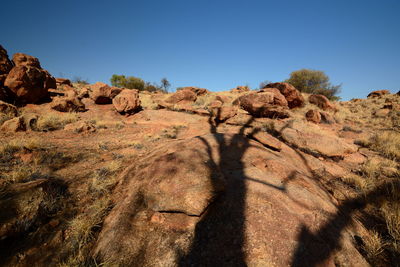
[{"x": 220, "y": 235}]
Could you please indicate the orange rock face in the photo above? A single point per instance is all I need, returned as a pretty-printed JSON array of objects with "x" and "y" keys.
[{"x": 378, "y": 93}]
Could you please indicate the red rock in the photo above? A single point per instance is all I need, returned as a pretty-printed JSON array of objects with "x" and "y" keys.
[
  {"x": 321, "y": 101},
  {"x": 182, "y": 97},
  {"x": 127, "y": 101},
  {"x": 102, "y": 94},
  {"x": 278, "y": 98},
  {"x": 313, "y": 116},
  {"x": 5, "y": 64},
  {"x": 263, "y": 104},
  {"x": 14, "y": 125},
  {"x": 80, "y": 127},
  {"x": 293, "y": 97},
  {"x": 67, "y": 104},
  {"x": 223, "y": 113},
  {"x": 21, "y": 59},
  {"x": 63, "y": 81},
  {"x": 223, "y": 98},
  {"x": 240, "y": 89},
  {"x": 27, "y": 82},
  {"x": 196, "y": 90},
  {"x": 378, "y": 93}
]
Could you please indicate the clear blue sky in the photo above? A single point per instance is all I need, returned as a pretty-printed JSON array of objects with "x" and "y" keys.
[{"x": 212, "y": 44}]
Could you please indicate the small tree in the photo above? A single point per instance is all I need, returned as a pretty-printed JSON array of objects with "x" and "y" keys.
[
  {"x": 129, "y": 82},
  {"x": 165, "y": 84},
  {"x": 314, "y": 82}
]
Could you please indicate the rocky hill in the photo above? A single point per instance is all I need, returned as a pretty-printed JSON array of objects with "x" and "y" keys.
[{"x": 93, "y": 175}]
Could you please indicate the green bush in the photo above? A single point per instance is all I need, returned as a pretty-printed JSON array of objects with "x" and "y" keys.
[
  {"x": 314, "y": 82},
  {"x": 129, "y": 82},
  {"x": 132, "y": 82}
]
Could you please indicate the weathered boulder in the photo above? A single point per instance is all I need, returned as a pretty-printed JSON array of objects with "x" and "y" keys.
[
  {"x": 27, "y": 82},
  {"x": 240, "y": 89},
  {"x": 182, "y": 97},
  {"x": 313, "y": 116},
  {"x": 292, "y": 95},
  {"x": 263, "y": 104},
  {"x": 63, "y": 81},
  {"x": 223, "y": 113},
  {"x": 198, "y": 91},
  {"x": 215, "y": 104},
  {"x": 102, "y": 94},
  {"x": 5, "y": 63},
  {"x": 223, "y": 200},
  {"x": 127, "y": 101},
  {"x": 67, "y": 104},
  {"x": 80, "y": 127},
  {"x": 278, "y": 98},
  {"x": 321, "y": 101},
  {"x": 312, "y": 139},
  {"x": 378, "y": 93},
  {"x": 14, "y": 125}
]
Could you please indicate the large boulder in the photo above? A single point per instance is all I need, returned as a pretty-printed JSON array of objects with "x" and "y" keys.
[
  {"x": 223, "y": 200},
  {"x": 198, "y": 91},
  {"x": 27, "y": 82},
  {"x": 263, "y": 104},
  {"x": 102, "y": 94},
  {"x": 321, "y": 101},
  {"x": 68, "y": 104},
  {"x": 182, "y": 97},
  {"x": 127, "y": 102},
  {"x": 292, "y": 95},
  {"x": 278, "y": 98},
  {"x": 378, "y": 93}
]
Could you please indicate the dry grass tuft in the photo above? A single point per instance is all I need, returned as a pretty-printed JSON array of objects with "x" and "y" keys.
[
  {"x": 53, "y": 121},
  {"x": 373, "y": 246}
]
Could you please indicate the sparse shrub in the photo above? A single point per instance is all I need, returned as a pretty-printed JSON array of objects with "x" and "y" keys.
[
  {"x": 314, "y": 82},
  {"x": 129, "y": 82},
  {"x": 80, "y": 80}
]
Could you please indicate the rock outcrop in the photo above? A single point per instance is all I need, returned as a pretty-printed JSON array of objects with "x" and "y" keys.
[
  {"x": 27, "y": 82},
  {"x": 14, "y": 125},
  {"x": 68, "y": 104},
  {"x": 198, "y": 91},
  {"x": 378, "y": 93},
  {"x": 222, "y": 200},
  {"x": 240, "y": 89},
  {"x": 63, "y": 81},
  {"x": 103, "y": 94},
  {"x": 264, "y": 104},
  {"x": 127, "y": 102},
  {"x": 5, "y": 67},
  {"x": 182, "y": 97},
  {"x": 292, "y": 95},
  {"x": 321, "y": 101},
  {"x": 313, "y": 116}
]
